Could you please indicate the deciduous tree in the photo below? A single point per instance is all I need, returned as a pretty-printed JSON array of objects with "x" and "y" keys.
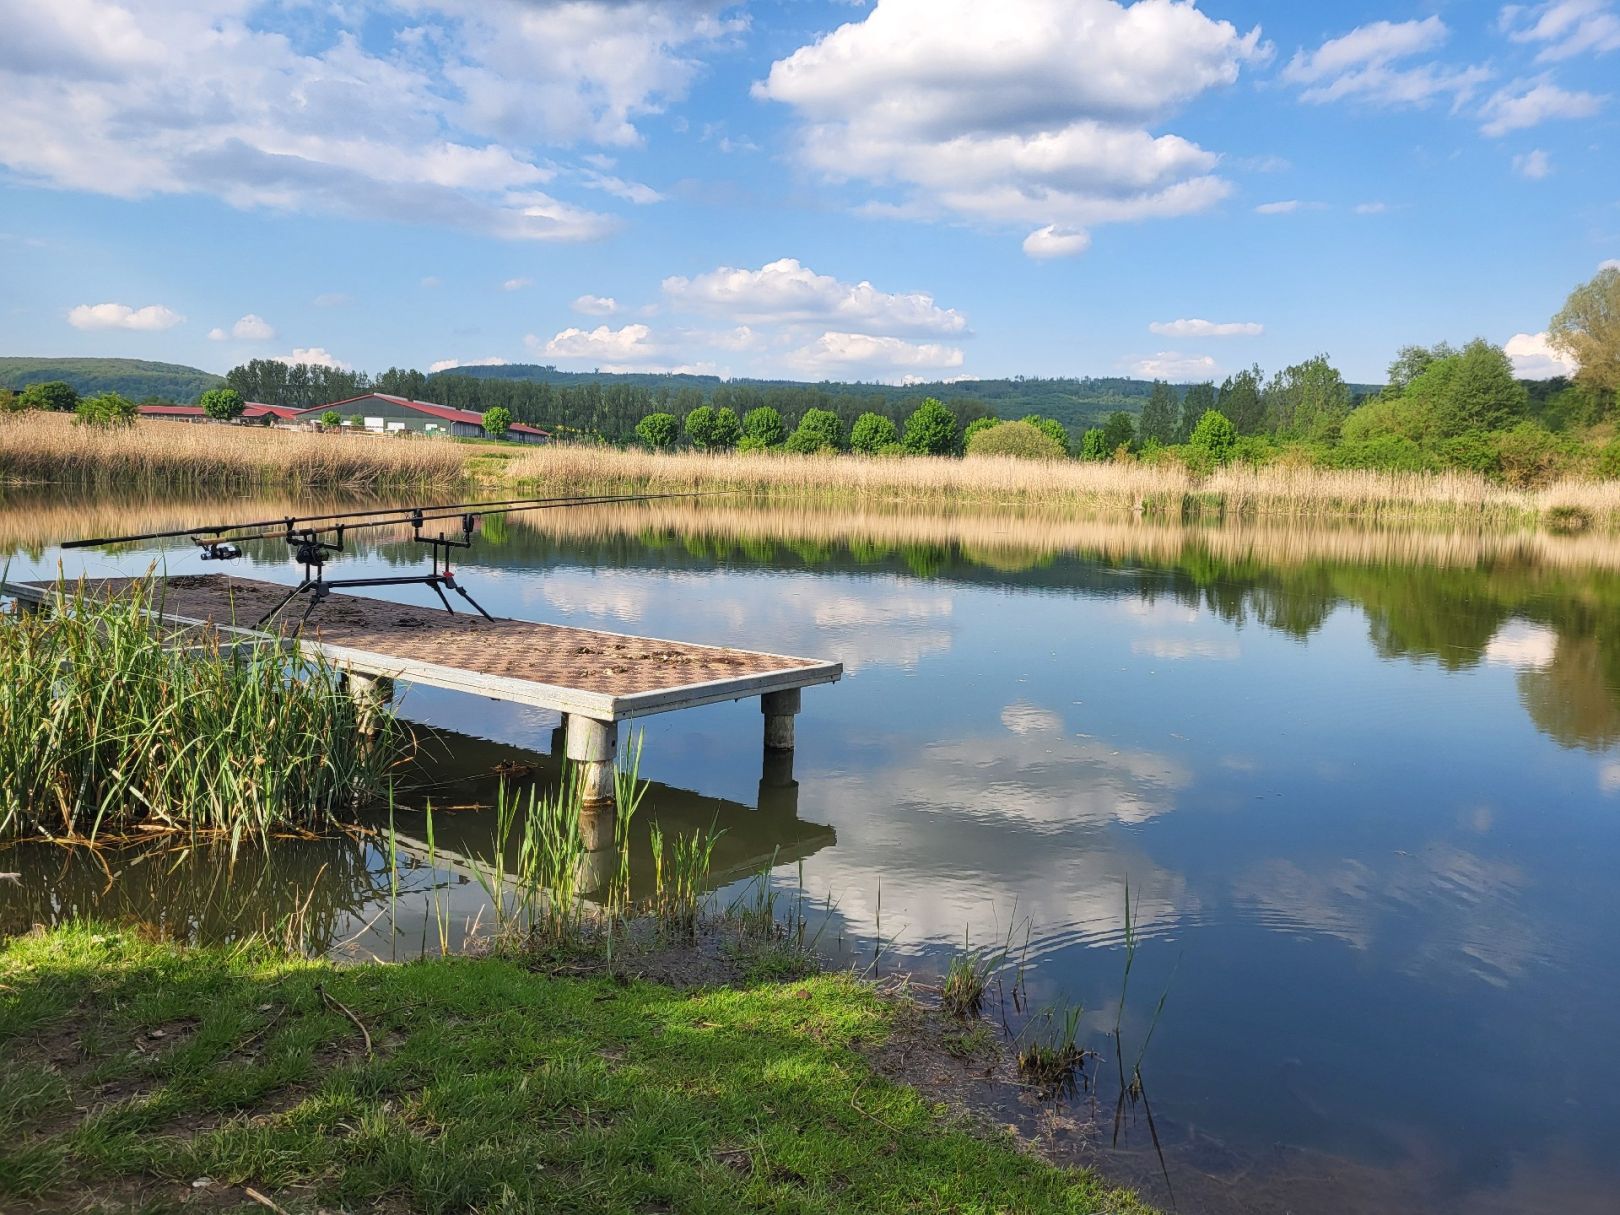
[
  {"x": 1160, "y": 416},
  {"x": 873, "y": 432},
  {"x": 497, "y": 421},
  {"x": 930, "y": 430},
  {"x": 658, "y": 431},
  {"x": 1587, "y": 329},
  {"x": 222, "y": 404}
]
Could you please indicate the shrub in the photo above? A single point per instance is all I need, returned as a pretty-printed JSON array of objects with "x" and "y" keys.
[
  {"x": 1608, "y": 460},
  {"x": 106, "y": 411},
  {"x": 753, "y": 443},
  {"x": 1092, "y": 445},
  {"x": 818, "y": 430},
  {"x": 1215, "y": 434},
  {"x": 1389, "y": 453},
  {"x": 1530, "y": 456},
  {"x": 222, "y": 404},
  {"x": 1057, "y": 431},
  {"x": 873, "y": 432},
  {"x": 55, "y": 395},
  {"x": 974, "y": 427},
  {"x": 1473, "y": 450},
  {"x": 1254, "y": 450},
  {"x": 764, "y": 426},
  {"x": 658, "y": 431},
  {"x": 331, "y": 418},
  {"x": 1024, "y": 440},
  {"x": 930, "y": 430}
]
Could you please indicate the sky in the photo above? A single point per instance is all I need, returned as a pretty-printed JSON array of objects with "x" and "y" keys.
[{"x": 907, "y": 190}]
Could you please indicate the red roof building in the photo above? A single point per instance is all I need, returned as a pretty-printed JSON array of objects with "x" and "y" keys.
[{"x": 383, "y": 413}]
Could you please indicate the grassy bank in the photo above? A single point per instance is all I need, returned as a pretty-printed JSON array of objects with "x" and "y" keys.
[
  {"x": 1081, "y": 487},
  {"x": 48, "y": 447},
  {"x": 137, "y": 1068}
]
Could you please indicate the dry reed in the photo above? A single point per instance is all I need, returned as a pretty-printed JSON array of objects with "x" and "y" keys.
[{"x": 46, "y": 447}]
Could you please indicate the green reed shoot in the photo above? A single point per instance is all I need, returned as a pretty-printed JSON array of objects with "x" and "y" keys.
[
  {"x": 110, "y": 719},
  {"x": 680, "y": 874},
  {"x": 967, "y": 977}
]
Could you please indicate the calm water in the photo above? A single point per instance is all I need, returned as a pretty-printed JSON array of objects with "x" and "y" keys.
[{"x": 1365, "y": 791}]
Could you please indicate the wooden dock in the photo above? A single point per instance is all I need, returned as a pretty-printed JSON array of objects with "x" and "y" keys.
[{"x": 595, "y": 679}]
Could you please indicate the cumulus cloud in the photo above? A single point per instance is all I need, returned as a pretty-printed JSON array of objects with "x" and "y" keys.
[
  {"x": 1283, "y": 207},
  {"x": 1053, "y": 241},
  {"x": 1199, "y": 328},
  {"x": 1027, "y": 112},
  {"x": 1535, "y": 165},
  {"x": 1526, "y": 104},
  {"x": 517, "y": 284},
  {"x": 600, "y": 346},
  {"x": 1172, "y": 365},
  {"x": 493, "y": 360},
  {"x": 1563, "y": 29},
  {"x": 1534, "y": 359},
  {"x": 595, "y": 305},
  {"x": 251, "y": 328},
  {"x": 314, "y": 356},
  {"x": 842, "y": 351},
  {"x": 1369, "y": 64},
  {"x": 149, "y": 319},
  {"x": 438, "y": 128},
  {"x": 784, "y": 291}
]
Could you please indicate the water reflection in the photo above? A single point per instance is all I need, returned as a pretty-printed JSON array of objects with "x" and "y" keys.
[{"x": 1361, "y": 783}]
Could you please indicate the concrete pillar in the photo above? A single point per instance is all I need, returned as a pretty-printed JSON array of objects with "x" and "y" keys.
[
  {"x": 593, "y": 746},
  {"x": 372, "y": 694},
  {"x": 778, "y": 791},
  {"x": 779, "y": 709}
]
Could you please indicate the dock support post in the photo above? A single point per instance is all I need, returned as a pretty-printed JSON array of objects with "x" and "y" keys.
[
  {"x": 372, "y": 694},
  {"x": 594, "y": 745},
  {"x": 779, "y": 708},
  {"x": 778, "y": 791}
]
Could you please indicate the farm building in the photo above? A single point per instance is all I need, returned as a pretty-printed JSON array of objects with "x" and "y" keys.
[
  {"x": 383, "y": 413},
  {"x": 253, "y": 411}
]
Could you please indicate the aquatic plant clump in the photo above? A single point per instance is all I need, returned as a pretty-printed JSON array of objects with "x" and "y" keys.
[{"x": 110, "y": 720}]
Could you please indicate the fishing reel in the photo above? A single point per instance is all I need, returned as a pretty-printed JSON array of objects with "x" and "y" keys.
[{"x": 219, "y": 550}]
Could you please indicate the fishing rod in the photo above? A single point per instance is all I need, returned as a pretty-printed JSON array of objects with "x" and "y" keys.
[{"x": 315, "y": 538}]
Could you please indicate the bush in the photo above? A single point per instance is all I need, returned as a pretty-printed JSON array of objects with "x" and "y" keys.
[
  {"x": 1093, "y": 445},
  {"x": 55, "y": 395},
  {"x": 764, "y": 426},
  {"x": 1387, "y": 453},
  {"x": 712, "y": 429},
  {"x": 658, "y": 431},
  {"x": 1055, "y": 430},
  {"x": 1531, "y": 457},
  {"x": 930, "y": 430},
  {"x": 873, "y": 432},
  {"x": 1608, "y": 460},
  {"x": 1024, "y": 440},
  {"x": 222, "y": 404},
  {"x": 106, "y": 411},
  {"x": 1254, "y": 450},
  {"x": 331, "y": 419},
  {"x": 1473, "y": 451},
  {"x": 974, "y": 427},
  {"x": 818, "y": 430},
  {"x": 1214, "y": 434},
  {"x": 753, "y": 443}
]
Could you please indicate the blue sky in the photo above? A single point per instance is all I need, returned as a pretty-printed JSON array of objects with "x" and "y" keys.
[{"x": 907, "y": 189}]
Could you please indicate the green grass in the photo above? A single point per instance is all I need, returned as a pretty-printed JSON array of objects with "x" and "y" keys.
[{"x": 136, "y": 1067}]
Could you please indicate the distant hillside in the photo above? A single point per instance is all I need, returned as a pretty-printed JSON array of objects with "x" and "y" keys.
[{"x": 136, "y": 379}]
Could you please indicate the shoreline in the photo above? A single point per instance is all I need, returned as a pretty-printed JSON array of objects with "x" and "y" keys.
[{"x": 147, "y": 1067}]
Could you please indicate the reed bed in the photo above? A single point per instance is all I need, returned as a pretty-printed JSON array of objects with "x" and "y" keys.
[
  {"x": 110, "y": 720},
  {"x": 46, "y": 447},
  {"x": 1075, "y": 486}
]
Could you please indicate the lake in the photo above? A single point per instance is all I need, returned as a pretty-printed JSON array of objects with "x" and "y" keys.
[{"x": 1363, "y": 788}]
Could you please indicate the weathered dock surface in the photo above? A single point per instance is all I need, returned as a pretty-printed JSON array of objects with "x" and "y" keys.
[{"x": 596, "y": 679}]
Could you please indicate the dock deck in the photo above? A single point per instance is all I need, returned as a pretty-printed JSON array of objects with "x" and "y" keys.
[{"x": 604, "y": 676}]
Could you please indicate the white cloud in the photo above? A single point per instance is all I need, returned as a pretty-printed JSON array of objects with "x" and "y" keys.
[
  {"x": 1025, "y": 112},
  {"x": 1534, "y": 359},
  {"x": 493, "y": 360},
  {"x": 844, "y": 352},
  {"x": 595, "y": 305},
  {"x": 1525, "y": 104},
  {"x": 315, "y": 356},
  {"x": 437, "y": 128},
  {"x": 1172, "y": 365},
  {"x": 250, "y": 328},
  {"x": 1363, "y": 65},
  {"x": 785, "y": 291},
  {"x": 1564, "y": 28},
  {"x": 1285, "y": 207},
  {"x": 1534, "y": 164},
  {"x": 431, "y": 281},
  {"x": 600, "y": 346},
  {"x": 1198, "y": 328},
  {"x": 333, "y": 299},
  {"x": 149, "y": 319},
  {"x": 1052, "y": 241},
  {"x": 1371, "y": 208},
  {"x": 517, "y": 284}
]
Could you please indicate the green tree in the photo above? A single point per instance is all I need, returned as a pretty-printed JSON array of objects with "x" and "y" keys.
[
  {"x": 1094, "y": 444},
  {"x": 8, "y": 401},
  {"x": 873, "y": 432},
  {"x": 1198, "y": 401},
  {"x": 728, "y": 429},
  {"x": 107, "y": 411},
  {"x": 52, "y": 394},
  {"x": 1587, "y": 329},
  {"x": 1412, "y": 361},
  {"x": 764, "y": 426},
  {"x": 1023, "y": 440},
  {"x": 1484, "y": 393},
  {"x": 1240, "y": 401},
  {"x": 497, "y": 421},
  {"x": 1117, "y": 431},
  {"x": 818, "y": 430},
  {"x": 1214, "y": 434},
  {"x": 222, "y": 404},
  {"x": 1160, "y": 416},
  {"x": 976, "y": 426},
  {"x": 703, "y": 428},
  {"x": 930, "y": 430},
  {"x": 331, "y": 419},
  {"x": 1051, "y": 427},
  {"x": 1309, "y": 400},
  {"x": 658, "y": 431}
]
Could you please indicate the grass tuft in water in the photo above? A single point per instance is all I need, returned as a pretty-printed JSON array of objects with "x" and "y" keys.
[{"x": 968, "y": 977}]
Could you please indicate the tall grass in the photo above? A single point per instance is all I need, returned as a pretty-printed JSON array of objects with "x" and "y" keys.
[
  {"x": 111, "y": 720},
  {"x": 680, "y": 873},
  {"x": 47, "y": 447}
]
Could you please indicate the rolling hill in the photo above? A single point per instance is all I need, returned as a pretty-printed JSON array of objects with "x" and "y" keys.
[{"x": 136, "y": 379}]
